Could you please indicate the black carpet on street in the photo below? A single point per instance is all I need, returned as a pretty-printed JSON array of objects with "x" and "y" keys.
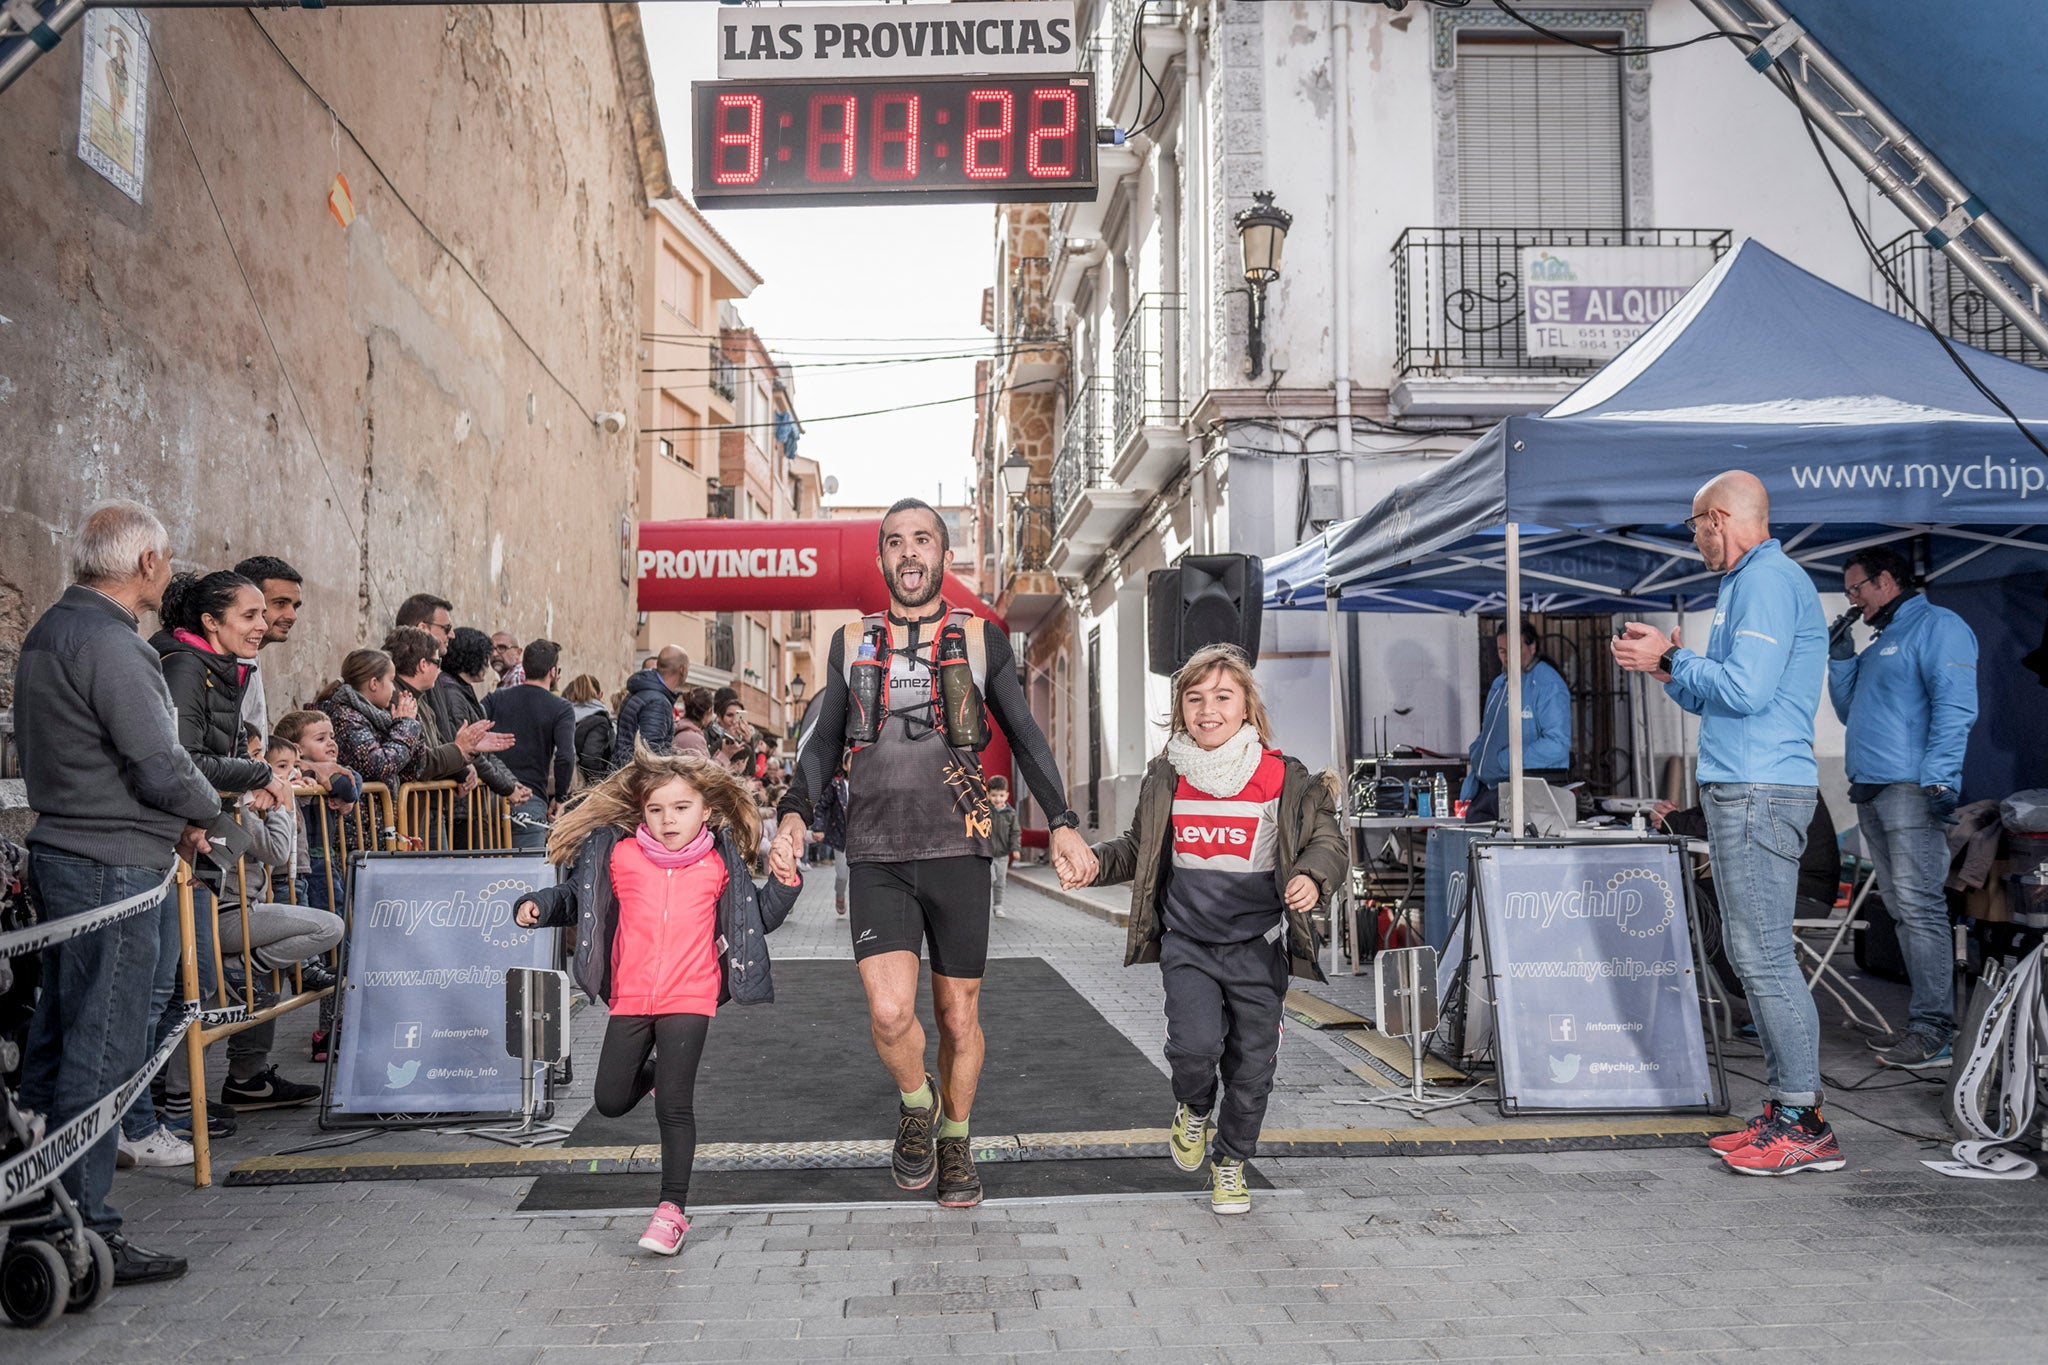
[
  {"x": 804, "y": 1070},
  {"x": 999, "y": 1179}
]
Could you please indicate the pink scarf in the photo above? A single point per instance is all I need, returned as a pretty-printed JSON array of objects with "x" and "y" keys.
[
  {"x": 198, "y": 642},
  {"x": 658, "y": 853}
]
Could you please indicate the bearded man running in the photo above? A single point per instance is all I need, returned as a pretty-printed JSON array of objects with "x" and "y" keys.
[{"x": 918, "y": 829}]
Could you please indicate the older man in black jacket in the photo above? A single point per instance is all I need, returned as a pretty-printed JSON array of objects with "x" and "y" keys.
[{"x": 117, "y": 801}]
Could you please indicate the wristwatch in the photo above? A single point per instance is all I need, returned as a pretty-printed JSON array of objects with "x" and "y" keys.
[
  {"x": 1066, "y": 819},
  {"x": 1665, "y": 659}
]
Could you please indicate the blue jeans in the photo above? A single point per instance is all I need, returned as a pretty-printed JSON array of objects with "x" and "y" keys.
[
  {"x": 140, "y": 1120},
  {"x": 1756, "y": 832},
  {"x": 1909, "y": 848},
  {"x": 525, "y": 836},
  {"x": 93, "y": 1024}
]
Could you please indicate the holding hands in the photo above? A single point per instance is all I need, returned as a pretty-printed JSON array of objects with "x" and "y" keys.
[{"x": 1073, "y": 859}]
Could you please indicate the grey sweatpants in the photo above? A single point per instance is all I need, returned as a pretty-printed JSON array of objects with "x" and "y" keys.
[{"x": 1223, "y": 1014}]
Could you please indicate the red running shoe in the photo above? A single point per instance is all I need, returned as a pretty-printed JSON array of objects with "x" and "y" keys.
[
  {"x": 1725, "y": 1143},
  {"x": 1786, "y": 1149}
]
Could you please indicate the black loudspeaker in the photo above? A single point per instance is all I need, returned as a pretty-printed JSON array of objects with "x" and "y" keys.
[{"x": 1204, "y": 600}]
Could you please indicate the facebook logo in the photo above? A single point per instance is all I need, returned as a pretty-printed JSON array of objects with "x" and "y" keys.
[
  {"x": 408, "y": 1036},
  {"x": 1563, "y": 1028}
]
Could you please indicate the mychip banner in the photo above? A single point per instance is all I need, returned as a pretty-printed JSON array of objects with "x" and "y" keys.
[
  {"x": 1595, "y": 982},
  {"x": 421, "y": 1021}
]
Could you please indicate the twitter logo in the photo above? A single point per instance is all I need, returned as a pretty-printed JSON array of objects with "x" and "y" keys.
[
  {"x": 1562, "y": 1068},
  {"x": 398, "y": 1077}
]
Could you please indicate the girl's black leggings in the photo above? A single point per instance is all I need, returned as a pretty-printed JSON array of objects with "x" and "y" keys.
[{"x": 625, "y": 1073}]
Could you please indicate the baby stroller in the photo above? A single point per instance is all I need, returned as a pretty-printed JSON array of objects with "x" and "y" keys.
[{"x": 42, "y": 1274}]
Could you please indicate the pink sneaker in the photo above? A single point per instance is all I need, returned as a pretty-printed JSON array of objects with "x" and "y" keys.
[{"x": 664, "y": 1235}]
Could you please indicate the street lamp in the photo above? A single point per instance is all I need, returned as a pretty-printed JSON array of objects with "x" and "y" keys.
[
  {"x": 1016, "y": 473},
  {"x": 1261, "y": 232},
  {"x": 796, "y": 689}
]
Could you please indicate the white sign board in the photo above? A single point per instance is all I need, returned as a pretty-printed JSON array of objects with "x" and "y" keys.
[
  {"x": 1033, "y": 37},
  {"x": 1592, "y": 301}
]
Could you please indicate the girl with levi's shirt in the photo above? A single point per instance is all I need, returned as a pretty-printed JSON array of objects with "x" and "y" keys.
[
  {"x": 1233, "y": 845},
  {"x": 670, "y": 926}
]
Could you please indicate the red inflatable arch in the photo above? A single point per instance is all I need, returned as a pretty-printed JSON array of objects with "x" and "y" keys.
[{"x": 723, "y": 565}]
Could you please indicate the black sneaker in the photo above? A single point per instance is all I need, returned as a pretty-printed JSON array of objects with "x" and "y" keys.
[
  {"x": 314, "y": 976},
  {"x": 266, "y": 1090},
  {"x": 959, "y": 1183},
  {"x": 139, "y": 1265},
  {"x": 913, "y": 1162}
]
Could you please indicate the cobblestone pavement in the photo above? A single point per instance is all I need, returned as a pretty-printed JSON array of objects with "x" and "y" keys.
[{"x": 1582, "y": 1255}]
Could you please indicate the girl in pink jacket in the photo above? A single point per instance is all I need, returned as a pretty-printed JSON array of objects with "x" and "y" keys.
[{"x": 670, "y": 926}]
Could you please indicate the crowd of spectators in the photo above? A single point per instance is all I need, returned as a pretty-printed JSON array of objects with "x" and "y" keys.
[{"x": 141, "y": 749}]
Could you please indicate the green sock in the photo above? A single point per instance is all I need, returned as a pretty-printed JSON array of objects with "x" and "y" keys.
[
  {"x": 952, "y": 1127},
  {"x": 920, "y": 1098}
]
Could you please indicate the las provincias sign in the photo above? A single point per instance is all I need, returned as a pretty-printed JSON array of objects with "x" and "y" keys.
[{"x": 1028, "y": 36}]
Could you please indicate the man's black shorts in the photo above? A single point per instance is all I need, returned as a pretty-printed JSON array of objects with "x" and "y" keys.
[{"x": 896, "y": 907}]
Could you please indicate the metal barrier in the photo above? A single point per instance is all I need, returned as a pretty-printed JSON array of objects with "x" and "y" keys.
[
  {"x": 437, "y": 815},
  {"x": 369, "y": 824}
]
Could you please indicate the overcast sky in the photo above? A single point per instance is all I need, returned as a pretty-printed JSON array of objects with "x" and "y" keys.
[{"x": 911, "y": 278}]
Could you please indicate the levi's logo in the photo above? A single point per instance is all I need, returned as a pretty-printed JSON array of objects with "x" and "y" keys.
[{"x": 1214, "y": 833}]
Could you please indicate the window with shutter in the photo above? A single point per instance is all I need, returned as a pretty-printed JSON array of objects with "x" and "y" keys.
[{"x": 1540, "y": 141}]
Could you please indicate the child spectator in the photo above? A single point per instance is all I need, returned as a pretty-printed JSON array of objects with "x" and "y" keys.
[
  {"x": 1004, "y": 839},
  {"x": 669, "y": 926},
  {"x": 323, "y": 856},
  {"x": 1255, "y": 848}
]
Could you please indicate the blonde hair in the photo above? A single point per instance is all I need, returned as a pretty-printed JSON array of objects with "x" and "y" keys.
[
  {"x": 618, "y": 799},
  {"x": 583, "y": 687},
  {"x": 1233, "y": 662}
]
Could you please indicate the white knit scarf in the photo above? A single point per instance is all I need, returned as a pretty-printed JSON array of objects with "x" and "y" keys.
[{"x": 1222, "y": 771}]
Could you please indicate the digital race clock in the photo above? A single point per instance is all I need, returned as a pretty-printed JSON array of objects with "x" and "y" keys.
[{"x": 993, "y": 139}]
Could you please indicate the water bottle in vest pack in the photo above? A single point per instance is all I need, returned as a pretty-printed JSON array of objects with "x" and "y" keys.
[
  {"x": 966, "y": 723},
  {"x": 867, "y": 687}
]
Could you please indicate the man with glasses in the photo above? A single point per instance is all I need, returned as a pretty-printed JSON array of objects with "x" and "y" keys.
[
  {"x": 416, "y": 655},
  {"x": 1909, "y": 700},
  {"x": 430, "y": 613},
  {"x": 1755, "y": 690}
]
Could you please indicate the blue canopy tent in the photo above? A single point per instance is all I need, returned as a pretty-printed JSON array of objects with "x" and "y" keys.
[{"x": 1860, "y": 426}]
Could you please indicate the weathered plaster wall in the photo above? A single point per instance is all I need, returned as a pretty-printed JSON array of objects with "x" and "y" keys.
[{"x": 429, "y": 427}]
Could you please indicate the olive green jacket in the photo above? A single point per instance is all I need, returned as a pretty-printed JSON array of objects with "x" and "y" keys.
[{"x": 1311, "y": 844}]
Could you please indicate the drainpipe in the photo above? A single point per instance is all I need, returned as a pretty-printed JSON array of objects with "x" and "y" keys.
[
  {"x": 1340, "y": 244},
  {"x": 1194, "y": 218}
]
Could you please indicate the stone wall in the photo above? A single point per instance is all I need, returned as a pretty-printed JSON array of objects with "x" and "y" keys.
[{"x": 398, "y": 405}]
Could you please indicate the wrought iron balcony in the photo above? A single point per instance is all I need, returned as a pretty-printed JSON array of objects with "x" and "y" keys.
[
  {"x": 1031, "y": 529},
  {"x": 1951, "y": 300},
  {"x": 720, "y": 502},
  {"x": 724, "y": 373},
  {"x": 1147, "y": 368},
  {"x": 1028, "y": 319},
  {"x": 719, "y": 650},
  {"x": 1458, "y": 294},
  {"x": 1080, "y": 464},
  {"x": 1123, "y": 19},
  {"x": 797, "y": 628}
]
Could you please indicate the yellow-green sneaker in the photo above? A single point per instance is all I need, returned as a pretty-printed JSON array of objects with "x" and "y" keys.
[
  {"x": 1227, "y": 1191},
  {"x": 1189, "y": 1138}
]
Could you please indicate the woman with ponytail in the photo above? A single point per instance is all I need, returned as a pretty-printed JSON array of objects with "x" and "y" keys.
[
  {"x": 670, "y": 926},
  {"x": 376, "y": 724},
  {"x": 212, "y": 627}
]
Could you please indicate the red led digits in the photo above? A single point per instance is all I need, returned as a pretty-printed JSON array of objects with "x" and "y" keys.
[
  {"x": 988, "y": 145},
  {"x": 892, "y": 136},
  {"x": 1058, "y": 129},
  {"x": 746, "y": 139},
  {"x": 829, "y": 156}
]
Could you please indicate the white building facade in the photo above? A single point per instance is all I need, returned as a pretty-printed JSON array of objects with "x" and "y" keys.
[{"x": 1419, "y": 153}]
